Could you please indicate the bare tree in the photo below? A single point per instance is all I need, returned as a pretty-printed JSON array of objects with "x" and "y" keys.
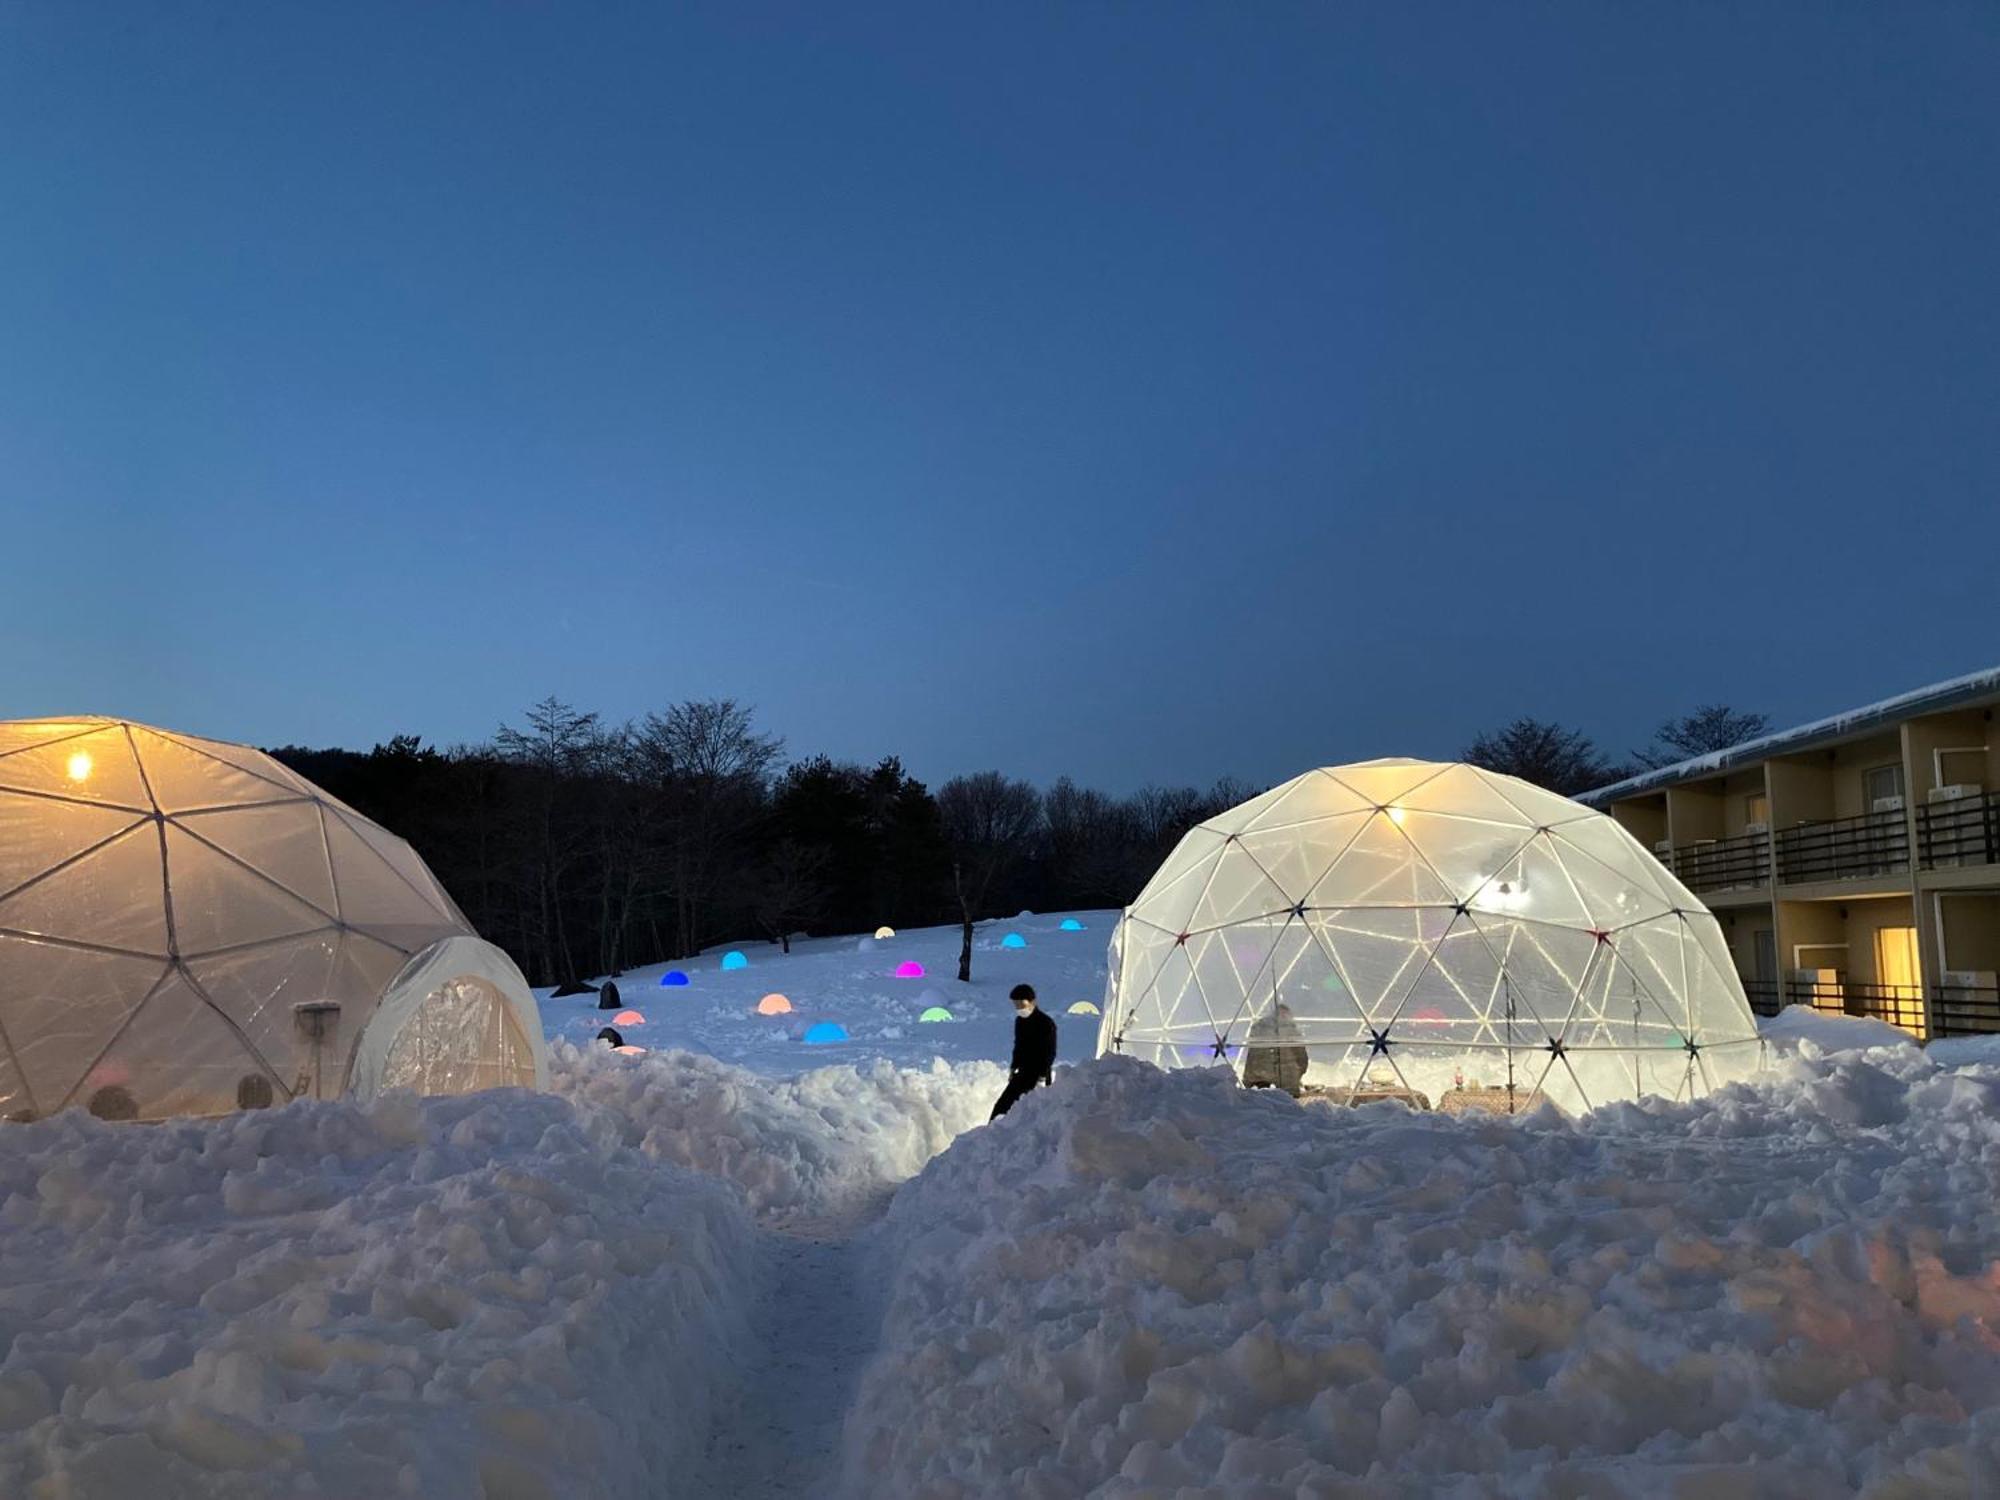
[
  {"x": 1562, "y": 760},
  {"x": 710, "y": 772},
  {"x": 1711, "y": 727},
  {"x": 989, "y": 823},
  {"x": 554, "y": 746},
  {"x": 791, "y": 889}
]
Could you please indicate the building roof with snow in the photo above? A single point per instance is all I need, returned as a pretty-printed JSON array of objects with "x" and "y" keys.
[{"x": 1955, "y": 692}]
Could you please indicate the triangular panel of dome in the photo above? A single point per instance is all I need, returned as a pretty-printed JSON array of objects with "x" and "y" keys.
[
  {"x": 1303, "y": 800},
  {"x": 257, "y": 988},
  {"x": 1376, "y": 952},
  {"x": 283, "y": 842},
  {"x": 1534, "y": 886},
  {"x": 219, "y": 903},
  {"x": 1238, "y": 892},
  {"x": 64, "y": 1005},
  {"x": 1596, "y": 853},
  {"x": 1171, "y": 907},
  {"x": 1380, "y": 867},
  {"x": 176, "y": 1057},
  {"x": 1295, "y": 863},
  {"x": 1465, "y": 853},
  {"x": 1542, "y": 967},
  {"x": 1311, "y": 984},
  {"x": 37, "y": 834},
  {"x": 375, "y": 898},
  {"x": 1168, "y": 998},
  {"x": 1539, "y": 807},
  {"x": 1233, "y": 965},
  {"x": 111, "y": 898},
  {"x": 93, "y": 767},
  {"x": 1459, "y": 791},
  {"x": 1195, "y": 851},
  {"x": 401, "y": 858},
  {"x": 183, "y": 778},
  {"x": 24, "y": 734},
  {"x": 254, "y": 762},
  {"x": 1385, "y": 783}
]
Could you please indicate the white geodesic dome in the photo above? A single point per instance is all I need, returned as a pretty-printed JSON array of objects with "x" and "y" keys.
[
  {"x": 189, "y": 927},
  {"x": 1431, "y": 929}
]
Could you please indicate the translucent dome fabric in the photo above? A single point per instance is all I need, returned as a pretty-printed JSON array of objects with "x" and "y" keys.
[
  {"x": 1429, "y": 929},
  {"x": 188, "y": 927}
]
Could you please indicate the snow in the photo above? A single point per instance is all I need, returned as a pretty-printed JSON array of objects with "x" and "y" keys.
[
  {"x": 1150, "y": 1284},
  {"x": 827, "y": 979},
  {"x": 735, "y": 1266}
]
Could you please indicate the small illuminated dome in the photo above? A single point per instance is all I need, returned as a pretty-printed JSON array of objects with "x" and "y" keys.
[
  {"x": 909, "y": 968},
  {"x": 734, "y": 960},
  {"x": 628, "y": 1050},
  {"x": 774, "y": 1005},
  {"x": 821, "y": 1033},
  {"x": 882, "y": 934},
  {"x": 1070, "y": 924},
  {"x": 1419, "y": 929},
  {"x": 189, "y": 927},
  {"x": 1013, "y": 940},
  {"x": 935, "y": 1013},
  {"x": 1084, "y": 1008},
  {"x": 628, "y": 1018},
  {"x": 672, "y": 979}
]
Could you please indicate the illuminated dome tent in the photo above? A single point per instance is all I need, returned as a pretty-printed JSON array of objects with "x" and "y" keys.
[
  {"x": 187, "y": 927},
  {"x": 1428, "y": 929}
]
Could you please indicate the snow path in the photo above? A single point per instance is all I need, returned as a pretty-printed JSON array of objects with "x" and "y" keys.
[{"x": 817, "y": 1324}]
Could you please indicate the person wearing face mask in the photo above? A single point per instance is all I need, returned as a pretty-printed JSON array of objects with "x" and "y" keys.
[{"x": 1034, "y": 1049}]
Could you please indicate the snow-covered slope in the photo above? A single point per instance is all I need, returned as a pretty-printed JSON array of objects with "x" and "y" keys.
[
  {"x": 852, "y": 981},
  {"x": 1150, "y": 1285}
]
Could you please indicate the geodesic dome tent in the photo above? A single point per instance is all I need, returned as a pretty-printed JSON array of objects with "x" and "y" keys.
[
  {"x": 188, "y": 927},
  {"x": 1428, "y": 931}
]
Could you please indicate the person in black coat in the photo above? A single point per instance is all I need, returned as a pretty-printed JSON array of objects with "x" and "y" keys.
[{"x": 1034, "y": 1049}]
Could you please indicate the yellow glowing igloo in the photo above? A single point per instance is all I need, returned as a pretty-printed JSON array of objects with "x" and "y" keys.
[
  {"x": 188, "y": 927},
  {"x": 1433, "y": 932}
]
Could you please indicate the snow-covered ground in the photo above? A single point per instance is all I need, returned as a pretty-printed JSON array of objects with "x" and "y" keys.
[
  {"x": 1161, "y": 1285},
  {"x": 852, "y": 981},
  {"x": 672, "y": 1277}
]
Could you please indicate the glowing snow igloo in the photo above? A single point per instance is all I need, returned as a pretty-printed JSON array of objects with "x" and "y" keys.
[
  {"x": 189, "y": 927},
  {"x": 1432, "y": 929}
]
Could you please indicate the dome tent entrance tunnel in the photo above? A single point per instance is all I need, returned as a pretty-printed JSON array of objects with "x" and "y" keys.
[
  {"x": 1425, "y": 930},
  {"x": 189, "y": 927}
]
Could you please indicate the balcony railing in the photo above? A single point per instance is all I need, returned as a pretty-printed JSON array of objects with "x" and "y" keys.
[
  {"x": 1964, "y": 831},
  {"x": 1898, "y": 1004},
  {"x": 1872, "y": 844},
  {"x": 1763, "y": 996},
  {"x": 1964, "y": 1010},
  {"x": 1724, "y": 864}
]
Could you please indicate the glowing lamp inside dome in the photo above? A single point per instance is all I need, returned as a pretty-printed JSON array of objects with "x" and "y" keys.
[
  {"x": 628, "y": 1018},
  {"x": 1013, "y": 940},
  {"x": 1084, "y": 1008},
  {"x": 884, "y": 932},
  {"x": 734, "y": 960},
  {"x": 935, "y": 1013},
  {"x": 774, "y": 1005},
  {"x": 672, "y": 979},
  {"x": 1070, "y": 924},
  {"x": 909, "y": 969},
  {"x": 822, "y": 1033},
  {"x": 629, "y": 1050},
  {"x": 80, "y": 765}
]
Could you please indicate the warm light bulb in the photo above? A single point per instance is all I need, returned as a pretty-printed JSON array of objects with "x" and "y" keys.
[
  {"x": 1395, "y": 815},
  {"x": 79, "y": 766}
]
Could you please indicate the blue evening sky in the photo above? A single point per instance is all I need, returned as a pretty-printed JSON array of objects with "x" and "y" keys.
[{"x": 1140, "y": 391}]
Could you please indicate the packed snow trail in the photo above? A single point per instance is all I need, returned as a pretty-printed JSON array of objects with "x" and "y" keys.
[{"x": 816, "y": 1325}]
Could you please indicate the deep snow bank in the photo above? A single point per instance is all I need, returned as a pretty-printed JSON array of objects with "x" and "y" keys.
[
  {"x": 470, "y": 1297},
  {"x": 821, "y": 1143},
  {"x": 1146, "y": 1284}
]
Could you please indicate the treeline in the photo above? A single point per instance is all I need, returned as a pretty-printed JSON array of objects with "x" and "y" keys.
[{"x": 584, "y": 847}]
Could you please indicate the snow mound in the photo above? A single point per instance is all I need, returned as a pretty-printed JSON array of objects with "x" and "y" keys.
[
  {"x": 825, "y": 1142},
  {"x": 464, "y": 1298},
  {"x": 1816, "y": 1032},
  {"x": 1148, "y": 1284}
]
